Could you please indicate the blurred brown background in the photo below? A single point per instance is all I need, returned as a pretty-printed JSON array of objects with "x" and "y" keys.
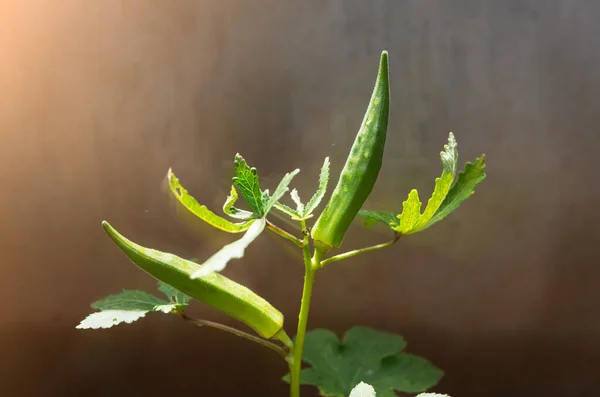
[{"x": 99, "y": 99}]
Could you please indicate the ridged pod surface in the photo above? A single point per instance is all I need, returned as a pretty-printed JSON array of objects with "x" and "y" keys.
[
  {"x": 215, "y": 290},
  {"x": 361, "y": 169}
]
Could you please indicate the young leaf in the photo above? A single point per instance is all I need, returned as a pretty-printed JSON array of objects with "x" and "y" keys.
[
  {"x": 363, "y": 390},
  {"x": 365, "y": 355},
  {"x": 447, "y": 194},
  {"x": 173, "y": 294},
  {"x": 304, "y": 212},
  {"x": 462, "y": 189},
  {"x": 442, "y": 184},
  {"x": 247, "y": 181},
  {"x": 296, "y": 199},
  {"x": 201, "y": 211},
  {"x": 372, "y": 217},
  {"x": 233, "y": 212},
  {"x": 234, "y": 250},
  {"x": 287, "y": 210},
  {"x": 411, "y": 211},
  {"x": 124, "y": 307},
  {"x": 281, "y": 189},
  {"x": 315, "y": 200}
]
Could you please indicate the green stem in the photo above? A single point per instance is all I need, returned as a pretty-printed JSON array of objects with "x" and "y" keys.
[
  {"x": 279, "y": 349},
  {"x": 277, "y": 230},
  {"x": 350, "y": 254},
  {"x": 310, "y": 268}
]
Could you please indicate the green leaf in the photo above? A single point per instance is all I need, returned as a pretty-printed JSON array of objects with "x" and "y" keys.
[
  {"x": 442, "y": 185},
  {"x": 372, "y": 217},
  {"x": 230, "y": 210},
  {"x": 281, "y": 189},
  {"x": 173, "y": 294},
  {"x": 432, "y": 395},
  {"x": 201, "y": 211},
  {"x": 129, "y": 300},
  {"x": 411, "y": 212},
  {"x": 235, "y": 250},
  {"x": 287, "y": 210},
  {"x": 363, "y": 390},
  {"x": 315, "y": 200},
  {"x": 365, "y": 355},
  {"x": 108, "y": 318},
  {"x": 463, "y": 189},
  {"x": 446, "y": 197},
  {"x": 303, "y": 212},
  {"x": 296, "y": 199},
  {"x": 247, "y": 181},
  {"x": 124, "y": 307}
]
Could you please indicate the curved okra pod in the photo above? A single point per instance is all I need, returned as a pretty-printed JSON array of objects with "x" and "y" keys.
[
  {"x": 214, "y": 289},
  {"x": 361, "y": 169}
]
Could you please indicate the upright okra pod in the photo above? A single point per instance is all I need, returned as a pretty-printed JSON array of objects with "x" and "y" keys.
[
  {"x": 214, "y": 289},
  {"x": 361, "y": 169}
]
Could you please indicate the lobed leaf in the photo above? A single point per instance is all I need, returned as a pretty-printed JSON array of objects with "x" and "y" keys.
[
  {"x": 233, "y": 212},
  {"x": 281, "y": 189},
  {"x": 190, "y": 203},
  {"x": 365, "y": 355},
  {"x": 411, "y": 212},
  {"x": 246, "y": 180},
  {"x": 235, "y": 250},
  {"x": 446, "y": 197},
  {"x": 463, "y": 189},
  {"x": 315, "y": 200},
  {"x": 131, "y": 305}
]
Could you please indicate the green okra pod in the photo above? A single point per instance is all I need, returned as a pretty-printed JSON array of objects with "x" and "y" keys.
[
  {"x": 214, "y": 289},
  {"x": 361, "y": 169}
]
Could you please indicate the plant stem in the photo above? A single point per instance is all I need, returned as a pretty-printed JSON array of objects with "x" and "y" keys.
[
  {"x": 350, "y": 254},
  {"x": 284, "y": 234},
  {"x": 310, "y": 268},
  {"x": 279, "y": 349}
]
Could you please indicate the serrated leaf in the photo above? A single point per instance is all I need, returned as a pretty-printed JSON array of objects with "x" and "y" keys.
[
  {"x": 365, "y": 355},
  {"x": 432, "y": 395},
  {"x": 446, "y": 196},
  {"x": 190, "y": 203},
  {"x": 173, "y": 294},
  {"x": 463, "y": 189},
  {"x": 287, "y": 210},
  {"x": 411, "y": 211},
  {"x": 235, "y": 250},
  {"x": 124, "y": 307},
  {"x": 232, "y": 211},
  {"x": 281, "y": 189},
  {"x": 266, "y": 196},
  {"x": 108, "y": 318},
  {"x": 246, "y": 180},
  {"x": 129, "y": 300},
  {"x": 363, "y": 390},
  {"x": 443, "y": 184},
  {"x": 315, "y": 200},
  {"x": 372, "y": 217},
  {"x": 296, "y": 199}
]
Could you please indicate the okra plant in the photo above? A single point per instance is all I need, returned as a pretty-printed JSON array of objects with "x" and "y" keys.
[{"x": 365, "y": 361}]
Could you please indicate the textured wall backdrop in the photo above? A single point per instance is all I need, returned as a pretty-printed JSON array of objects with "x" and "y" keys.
[{"x": 99, "y": 99}]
